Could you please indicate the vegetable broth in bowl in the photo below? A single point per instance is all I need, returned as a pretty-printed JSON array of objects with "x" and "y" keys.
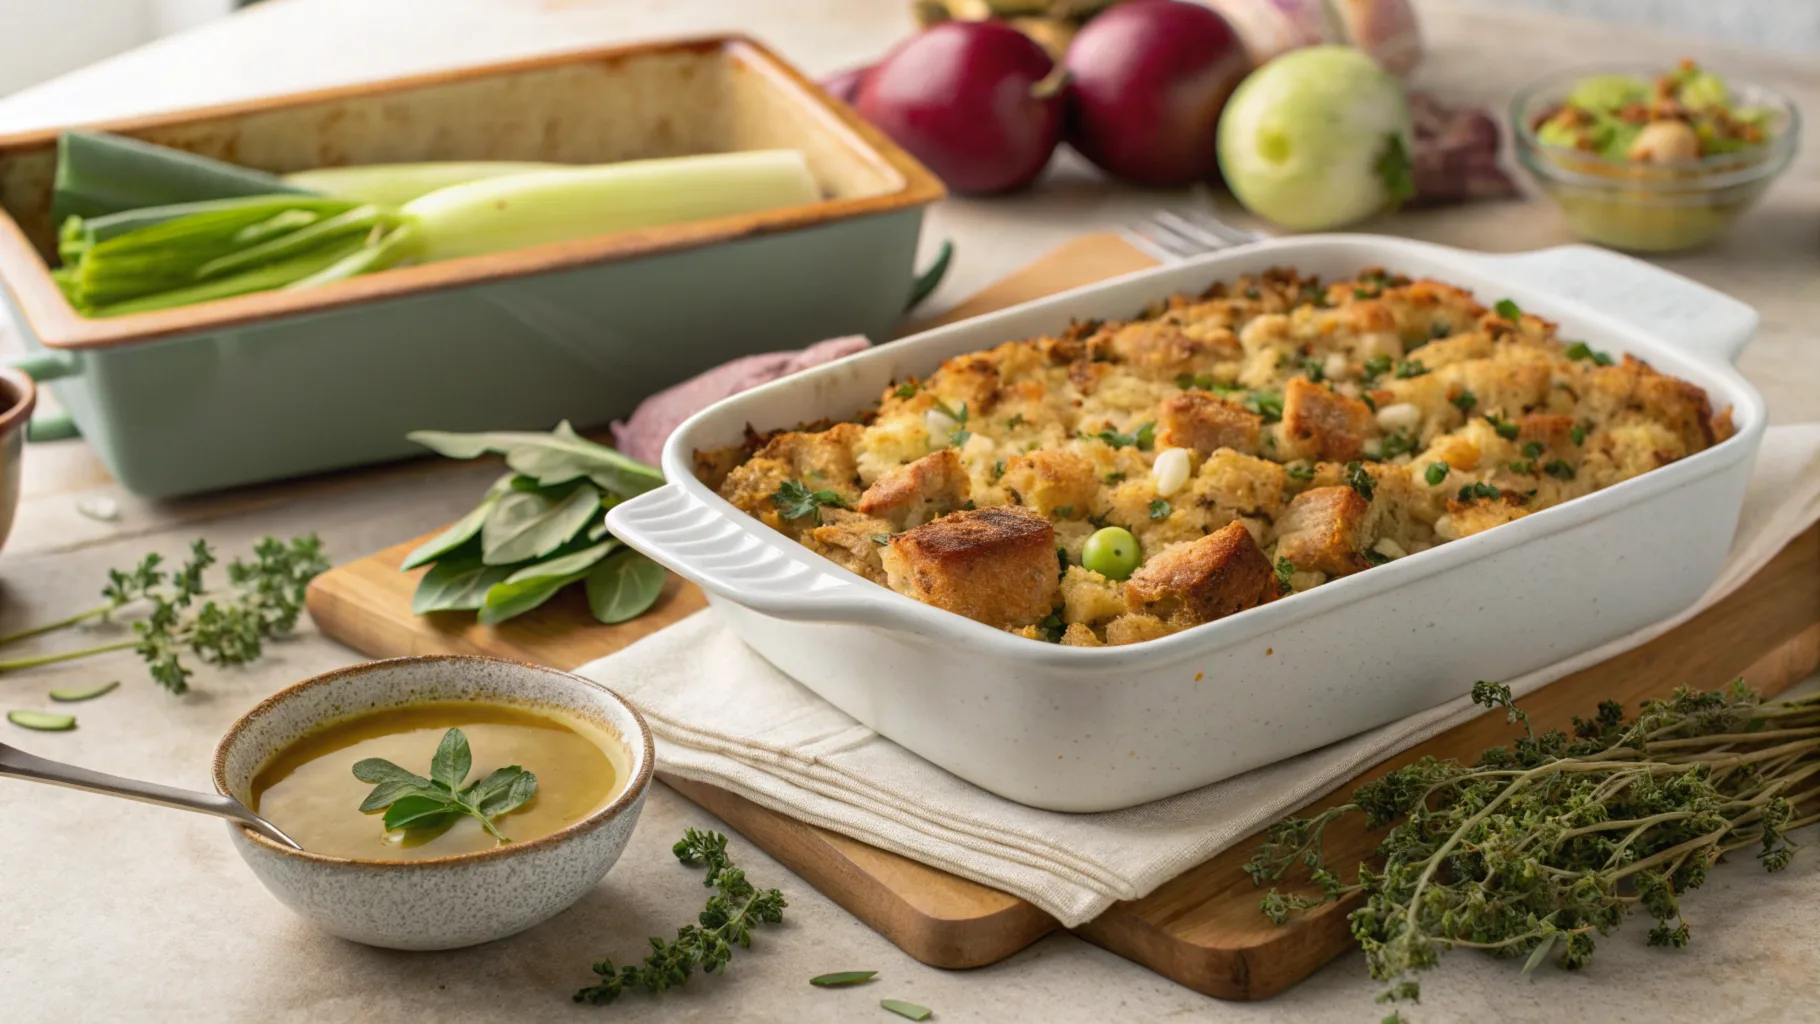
[{"x": 310, "y": 790}]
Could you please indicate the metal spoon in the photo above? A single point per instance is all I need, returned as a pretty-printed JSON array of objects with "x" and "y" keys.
[{"x": 21, "y": 765}]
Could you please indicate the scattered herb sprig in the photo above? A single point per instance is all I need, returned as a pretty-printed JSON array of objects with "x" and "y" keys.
[
  {"x": 228, "y": 625},
  {"x": 411, "y": 801},
  {"x": 728, "y": 919},
  {"x": 1545, "y": 844},
  {"x": 538, "y": 529}
]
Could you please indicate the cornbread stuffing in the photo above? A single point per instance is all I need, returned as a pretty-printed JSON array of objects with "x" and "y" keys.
[{"x": 1219, "y": 451}]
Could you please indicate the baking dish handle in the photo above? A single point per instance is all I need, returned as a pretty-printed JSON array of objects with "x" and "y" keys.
[
  {"x": 1689, "y": 315},
  {"x": 703, "y": 546}
]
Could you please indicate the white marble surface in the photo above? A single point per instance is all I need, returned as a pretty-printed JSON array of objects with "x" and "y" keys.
[{"x": 125, "y": 912}]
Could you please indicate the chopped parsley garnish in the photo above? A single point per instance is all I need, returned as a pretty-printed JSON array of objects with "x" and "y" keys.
[
  {"x": 1253, "y": 293},
  {"x": 1285, "y": 570},
  {"x": 1313, "y": 369},
  {"x": 1061, "y": 560},
  {"x": 794, "y": 500},
  {"x": 1439, "y": 329},
  {"x": 1481, "y": 490},
  {"x": 1359, "y": 479},
  {"x": 1581, "y": 350},
  {"x": 1016, "y": 421},
  {"x": 879, "y": 538},
  {"x": 1375, "y": 557},
  {"x": 998, "y": 470},
  {"x": 1410, "y": 368},
  {"x": 1533, "y": 448},
  {"x": 1300, "y": 470},
  {"x": 1159, "y": 509},
  {"x": 1465, "y": 400},
  {"x": 1363, "y": 293},
  {"x": 1113, "y": 478},
  {"x": 1377, "y": 366},
  {"x": 1268, "y": 404},
  {"x": 1577, "y": 433},
  {"x": 1505, "y": 428},
  {"x": 1560, "y": 469},
  {"x": 1397, "y": 443},
  {"x": 1051, "y": 628},
  {"x": 1143, "y": 438},
  {"x": 1437, "y": 472},
  {"x": 960, "y": 435},
  {"x": 1508, "y": 310},
  {"x": 1523, "y": 466},
  {"x": 1064, "y": 511},
  {"x": 908, "y": 389}
]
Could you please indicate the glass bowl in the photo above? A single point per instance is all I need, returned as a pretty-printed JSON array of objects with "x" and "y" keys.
[{"x": 1651, "y": 207}]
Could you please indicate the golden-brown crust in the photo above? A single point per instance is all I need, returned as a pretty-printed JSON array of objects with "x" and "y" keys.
[
  {"x": 994, "y": 565},
  {"x": 911, "y": 495},
  {"x": 1206, "y": 424},
  {"x": 1211, "y": 578},
  {"x": 1060, "y": 484},
  {"x": 1324, "y": 530},
  {"x": 1320, "y": 423}
]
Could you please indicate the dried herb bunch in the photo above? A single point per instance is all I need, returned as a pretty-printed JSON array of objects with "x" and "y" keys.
[{"x": 1546, "y": 843}]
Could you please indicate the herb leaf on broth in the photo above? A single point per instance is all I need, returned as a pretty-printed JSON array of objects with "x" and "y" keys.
[{"x": 411, "y": 801}]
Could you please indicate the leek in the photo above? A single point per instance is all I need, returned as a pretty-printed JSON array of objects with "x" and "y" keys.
[
  {"x": 98, "y": 173},
  {"x": 499, "y": 214},
  {"x": 398, "y": 184}
]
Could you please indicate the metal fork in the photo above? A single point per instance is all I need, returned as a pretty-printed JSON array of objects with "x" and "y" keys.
[{"x": 1175, "y": 235}]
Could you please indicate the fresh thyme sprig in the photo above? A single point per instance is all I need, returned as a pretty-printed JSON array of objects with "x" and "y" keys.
[
  {"x": 727, "y": 919},
  {"x": 1545, "y": 844},
  {"x": 262, "y": 600}
]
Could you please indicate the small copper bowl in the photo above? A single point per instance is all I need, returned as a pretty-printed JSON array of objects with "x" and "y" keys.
[{"x": 18, "y": 396}]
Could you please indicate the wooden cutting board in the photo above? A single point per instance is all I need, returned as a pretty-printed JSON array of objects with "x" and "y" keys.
[{"x": 1202, "y": 929}]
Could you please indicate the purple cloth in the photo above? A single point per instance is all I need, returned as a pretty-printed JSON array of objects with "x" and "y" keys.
[{"x": 642, "y": 435}]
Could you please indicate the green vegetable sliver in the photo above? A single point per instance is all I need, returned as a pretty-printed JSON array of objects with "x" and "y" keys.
[
  {"x": 908, "y": 1010},
  {"x": 42, "y": 721},
  {"x": 72, "y": 694},
  {"x": 842, "y": 978}
]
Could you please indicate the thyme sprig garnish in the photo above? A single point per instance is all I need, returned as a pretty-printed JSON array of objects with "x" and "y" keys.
[
  {"x": 1547, "y": 843},
  {"x": 728, "y": 919},
  {"x": 262, "y": 600}
]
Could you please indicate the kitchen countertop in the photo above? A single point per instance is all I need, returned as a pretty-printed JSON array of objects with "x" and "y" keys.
[{"x": 115, "y": 910}]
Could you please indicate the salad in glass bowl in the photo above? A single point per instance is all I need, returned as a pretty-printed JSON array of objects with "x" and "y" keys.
[{"x": 1652, "y": 162}]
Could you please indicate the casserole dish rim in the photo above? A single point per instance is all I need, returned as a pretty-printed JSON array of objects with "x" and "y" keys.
[
  {"x": 59, "y": 327},
  {"x": 888, "y": 609}
]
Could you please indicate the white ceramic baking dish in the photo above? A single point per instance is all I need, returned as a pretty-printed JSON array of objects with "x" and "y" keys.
[{"x": 1090, "y": 729}]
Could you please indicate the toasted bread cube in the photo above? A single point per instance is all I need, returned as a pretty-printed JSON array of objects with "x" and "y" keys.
[
  {"x": 1465, "y": 518},
  {"x": 1160, "y": 350},
  {"x": 1059, "y": 483},
  {"x": 994, "y": 565},
  {"x": 1678, "y": 405},
  {"x": 1324, "y": 529},
  {"x": 1207, "y": 579},
  {"x": 852, "y": 541},
  {"x": 1207, "y": 424},
  {"x": 932, "y": 486},
  {"x": 1078, "y": 635},
  {"x": 1319, "y": 423},
  {"x": 1135, "y": 628},
  {"x": 1088, "y": 597}
]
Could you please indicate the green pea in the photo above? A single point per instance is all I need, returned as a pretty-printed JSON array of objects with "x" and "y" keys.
[{"x": 1112, "y": 552}]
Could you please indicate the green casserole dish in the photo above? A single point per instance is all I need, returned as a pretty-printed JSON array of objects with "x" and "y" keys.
[{"x": 279, "y": 384}]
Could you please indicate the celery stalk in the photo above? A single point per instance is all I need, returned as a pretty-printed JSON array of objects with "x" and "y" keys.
[
  {"x": 520, "y": 210},
  {"x": 398, "y": 184}
]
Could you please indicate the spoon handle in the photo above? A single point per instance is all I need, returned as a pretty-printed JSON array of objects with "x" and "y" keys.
[{"x": 21, "y": 765}]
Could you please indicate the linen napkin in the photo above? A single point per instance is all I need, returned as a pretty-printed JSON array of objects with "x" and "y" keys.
[{"x": 722, "y": 715}]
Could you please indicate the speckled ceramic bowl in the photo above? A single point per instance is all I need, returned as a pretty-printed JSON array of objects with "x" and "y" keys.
[{"x": 453, "y": 901}]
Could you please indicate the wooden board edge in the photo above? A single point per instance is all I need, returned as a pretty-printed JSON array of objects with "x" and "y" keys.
[{"x": 971, "y": 925}]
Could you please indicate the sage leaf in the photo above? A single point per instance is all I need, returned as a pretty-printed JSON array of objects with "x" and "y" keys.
[
  {"x": 418, "y": 812},
  {"x": 1547, "y": 945},
  {"x": 43, "y": 721},
  {"x": 71, "y": 694},
  {"x": 598, "y": 530},
  {"x": 565, "y": 565},
  {"x": 452, "y": 760},
  {"x": 465, "y": 529},
  {"x": 456, "y": 585},
  {"x": 519, "y": 789},
  {"x": 378, "y": 769},
  {"x": 529, "y": 526},
  {"x": 388, "y": 793},
  {"x": 510, "y": 600},
  {"x": 909, "y": 1010},
  {"x": 552, "y": 458},
  {"x": 624, "y": 586},
  {"x": 842, "y": 978}
]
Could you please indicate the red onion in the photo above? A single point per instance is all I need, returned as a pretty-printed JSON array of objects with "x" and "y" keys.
[
  {"x": 975, "y": 101},
  {"x": 844, "y": 86},
  {"x": 1147, "y": 82}
]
